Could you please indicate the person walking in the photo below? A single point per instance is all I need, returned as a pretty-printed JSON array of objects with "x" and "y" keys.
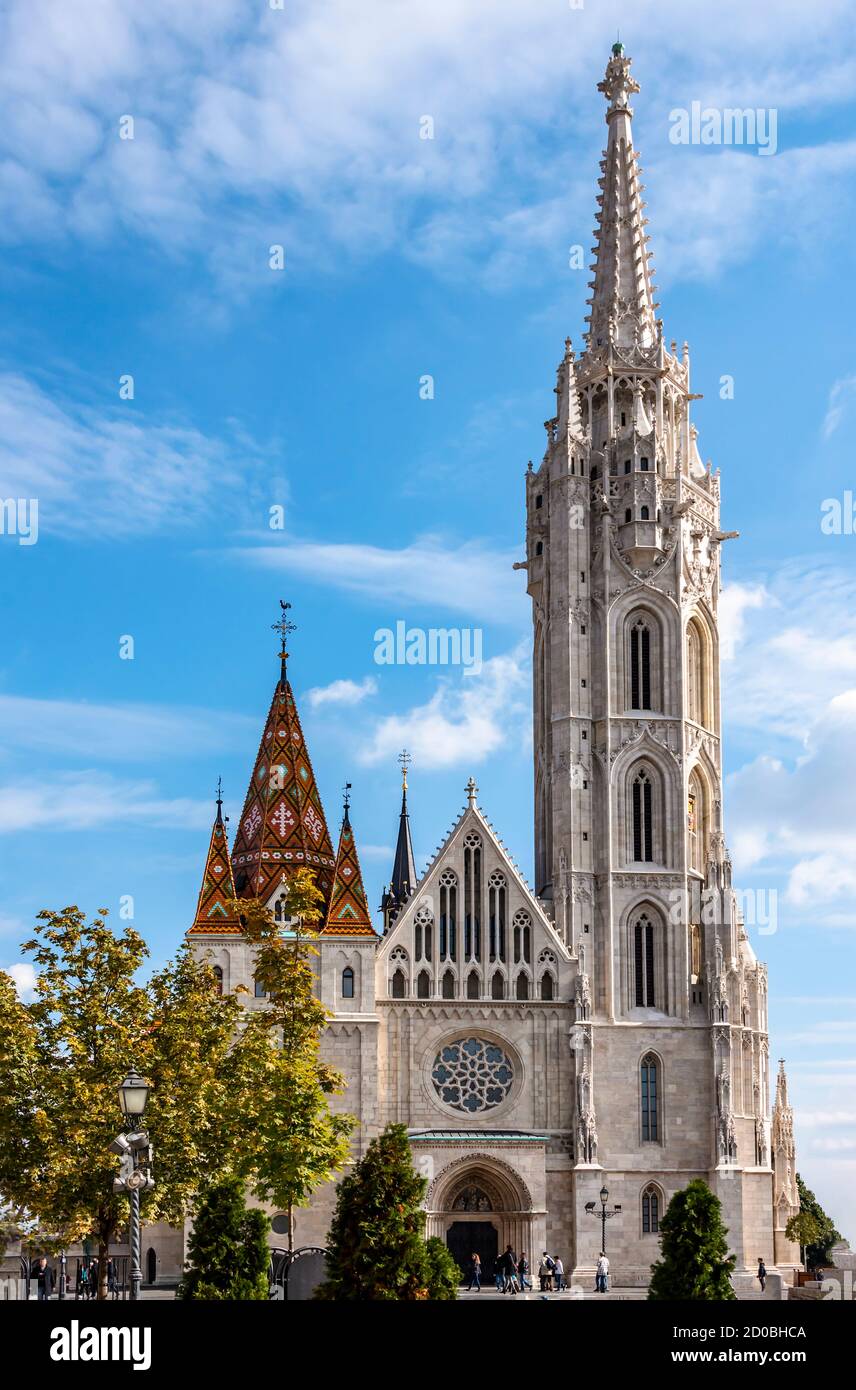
[
  {"x": 762, "y": 1275},
  {"x": 475, "y": 1273},
  {"x": 559, "y": 1274},
  {"x": 45, "y": 1280},
  {"x": 545, "y": 1272},
  {"x": 522, "y": 1272},
  {"x": 94, "y": 1278},
  {"x": 498, "y": 1273},
  {"x": 112, "y": 1278},
  {"x": 602, "y": 1273},
  {"x": 509, "y": 1270}
]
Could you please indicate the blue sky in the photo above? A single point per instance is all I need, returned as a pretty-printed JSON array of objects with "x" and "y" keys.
[{"x": 300, "y": 388}]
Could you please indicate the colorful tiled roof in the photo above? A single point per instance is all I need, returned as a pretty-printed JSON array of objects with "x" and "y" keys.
[
  {"x": 348, "y": 913},
  {"x": 282, "y": 826},
  {"x": 214, "y": 916}
]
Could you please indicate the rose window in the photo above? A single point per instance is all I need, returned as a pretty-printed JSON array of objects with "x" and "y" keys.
[{"x": 472, "y": 1075}]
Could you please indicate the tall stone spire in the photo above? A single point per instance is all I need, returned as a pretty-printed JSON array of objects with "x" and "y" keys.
[
  {"x": 282, "y": 826},
  {"x": 214, "y": 914},
  {"x": 348, "y": 913},
  {"x": 622, "y": 300},
  {"x": 403, "y": 879},
  {"x": 786, "y": 1199}
]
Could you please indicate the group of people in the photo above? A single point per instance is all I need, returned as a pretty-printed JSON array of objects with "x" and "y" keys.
[
  {"x": 87, "y": 1279},
  {"x": 512, "y": 1273}
]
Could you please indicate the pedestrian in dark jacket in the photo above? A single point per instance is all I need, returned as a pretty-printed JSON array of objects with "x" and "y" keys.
[
  {"x": 45, "y": 1279},
  {"x": 762, "y": 1275},
  {"x": 523, "y": 1272},
  {"x": 509, "y": 1270}
]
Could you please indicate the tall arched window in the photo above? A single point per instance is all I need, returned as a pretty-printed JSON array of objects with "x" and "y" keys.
[
  {"x": 472, "y": 897},
  {"x": 423, "y": 931},
  {"x": 644, "y": 973},
  {"x": 547, "y": 986},
  {"x": 218, "y": 979},
  {"x": 650, "y": 1211},
  {"x": 497, "y": 986},
  {"x": 347, "y": 983},
  {"x": 522, "y": 986},
  {"x": 398, "y": 985},
  {"x": 473, "y": 985},
  {"x": 259, "y": 990},
  {"x": 423, "y": 985},
  {"x": 448, "y": 990},
  {"x": 644, "y": 514},
  {"x": 649, "y": 1097},
  {"x": 496, "y": 915},
  {"x": 640, "y": 665},
  {"x": 643, "y": 825},
  {"x": 696, "y": 701},
  {"x": 696, "y": 824},
  {"x": 448, "y": 915},
  {"x": 522, "y": 937}
]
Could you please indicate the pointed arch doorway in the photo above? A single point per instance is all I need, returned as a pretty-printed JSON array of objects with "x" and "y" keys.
[{"x": 479, "y": 1205}]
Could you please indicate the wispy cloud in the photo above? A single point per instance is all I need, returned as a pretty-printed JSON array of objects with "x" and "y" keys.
[
  {"x": 91, "y": 800},
  {"x": 111, "y": 473},
  {"x": 342, "y": 692},
  {"x": 841, "y": 395},
  {"x": 130, "y": 732},
  {"x": 466, "y": 578},
  {"x": 250, "y": 127}
]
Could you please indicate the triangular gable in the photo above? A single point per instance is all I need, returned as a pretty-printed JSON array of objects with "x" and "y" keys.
[{"x": 471, "y": 818}]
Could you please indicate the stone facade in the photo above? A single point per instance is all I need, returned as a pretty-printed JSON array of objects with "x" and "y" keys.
[{"x": 609, "y": 1027}]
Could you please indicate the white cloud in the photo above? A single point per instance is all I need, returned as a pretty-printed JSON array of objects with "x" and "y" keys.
[
  {"x": 250, "y": 119},
  {"x": 468, "y": 578},
  {"x": 342, "y": 692},
  {"x": 87, "y": 800},
  {"x": 25, "y": 979},
  {"x": 111, "y": 473},
  {"x": 840, "y": 395},
  {"x": 463, "y": 723},
  {"x": 131, "y": 732},
  {"x": 736, "y": 601}
]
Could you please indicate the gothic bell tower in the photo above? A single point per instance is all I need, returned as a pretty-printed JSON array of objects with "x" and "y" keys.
[{"x": 623, "y": 562}]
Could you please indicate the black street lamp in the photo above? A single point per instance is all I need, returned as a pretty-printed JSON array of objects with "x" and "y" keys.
[
  {"x": 591, "y": 1208},
  {"x": 135, "y": 1151}
]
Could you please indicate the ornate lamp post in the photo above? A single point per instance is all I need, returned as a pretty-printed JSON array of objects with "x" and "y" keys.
[
  {"x": 136, "y": 1154},
  {"x": 591, "y": 1208}
]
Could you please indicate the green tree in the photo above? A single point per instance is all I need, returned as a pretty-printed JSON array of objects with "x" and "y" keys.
[
  {"x": 804, "y": 1230},
  {"x": 444, "y": 1275},
  {"x": 63, "y": 1056},
  {"x": 228, "y": 1248},
  {"x": 375, "y": 1246},
  {"x": 294, "y": 1141},
  {"x": 694, "y": 1262},
  {"x": 819, "y": 1246}
]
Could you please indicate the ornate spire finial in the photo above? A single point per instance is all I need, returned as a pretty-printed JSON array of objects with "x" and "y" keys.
[
  {"x": 219, "y": 798},
  {"x": 405, "y": 759},
  {"x": 346, "y": 797},
  {"x": 471, "y": 792},
  {"x": 617, "y": 85},
  {"x": 283, "y": 627}
]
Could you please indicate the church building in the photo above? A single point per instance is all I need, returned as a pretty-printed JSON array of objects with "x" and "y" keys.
[{"x": 605, "y": 1028}]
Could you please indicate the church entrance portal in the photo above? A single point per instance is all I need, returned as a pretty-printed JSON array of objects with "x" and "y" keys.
[{"x": 466, "y": 1238}]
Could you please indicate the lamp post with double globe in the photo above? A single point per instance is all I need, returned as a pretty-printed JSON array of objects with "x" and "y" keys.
[{"x": 603, "y": 1214}]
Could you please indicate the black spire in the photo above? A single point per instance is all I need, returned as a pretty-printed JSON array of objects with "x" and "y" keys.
[{"x": 404, "y": 865}]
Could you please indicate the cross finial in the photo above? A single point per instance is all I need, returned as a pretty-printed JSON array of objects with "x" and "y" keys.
[
  {"x": 405, "y": 759},
  {"x": 219, "y": 798},
  {"x": 283, "y": 627},
  {"x": 471, "y": 792}
]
